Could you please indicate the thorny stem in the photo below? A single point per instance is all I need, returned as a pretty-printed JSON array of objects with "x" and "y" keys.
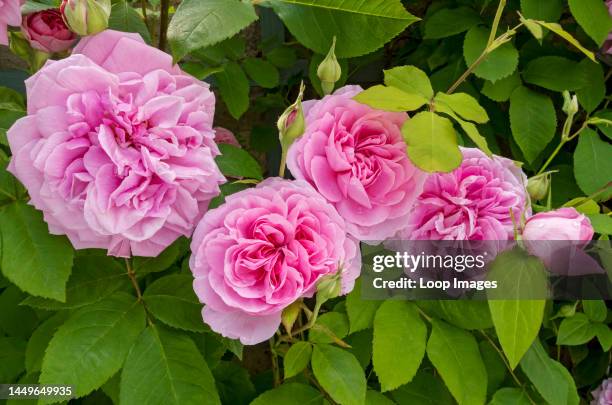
[
  {"x": 501, "y": 354},
  {"x": 163, "y": 24}
]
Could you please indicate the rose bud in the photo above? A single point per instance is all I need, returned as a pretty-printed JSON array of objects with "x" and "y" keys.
[
  {"x": 46, "y": 31},
  {"x": 329, "y": 70},
  {"x": 86, "y": 17},
  {"x": 561, "y": 224},
  {"x": 537, "y": 186}
]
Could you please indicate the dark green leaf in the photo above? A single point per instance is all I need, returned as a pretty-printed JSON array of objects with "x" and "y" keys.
[
  {"x": 500, "y": 63},
  {"x": 37, "y": 345},
  {"x": 592, "y": 162},
  {"x": 594, "y": 91},
  {"x": 596, "y": 310},
  {"x": 262, "y": 72},
  {"x": 197, "y": 23},
  {"x": 124, "y": 17},
  {"x": 237, "y": 162},
  {"x": 593, "y": 17},
  {"x": 360, "y": 312},
  {"x": 291, "y": 393},
  {"x": 448, "y": 22},
  {"x": 555, "y": 73},
  {"x": 424, "y": 389},
  {"x": 12, "y": 358},
  {"x": 234, "y": 88},
  {"x": 510, "y": 396},
  {"x": 548, "y": 10}
]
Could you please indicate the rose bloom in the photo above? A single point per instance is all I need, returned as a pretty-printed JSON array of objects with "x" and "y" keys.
[
  {"x": 473, "y": 202},
  {"x": 47, "y": 31},
  {"x": 603, "y": 394},
  {"x": 607, "y": 47},
  {"x": 561, "y": 224},
  {"x": 10, "y": 14},
  {"x": 355, "y": 156},
  {"x": 262, "y": 250},
  {"x": 117, "y": 148}
]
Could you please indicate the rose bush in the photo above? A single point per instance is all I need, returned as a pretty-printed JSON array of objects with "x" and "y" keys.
[{"x": 155, "y": 250}]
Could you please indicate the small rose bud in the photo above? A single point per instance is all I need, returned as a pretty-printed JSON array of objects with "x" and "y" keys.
[
  {"x": 47, "y": 32},
  {"x": 86, "y": 17},
  {"x": 329, "y": 70},
  {"x": 291, "y": 123},
  {"x": 567, "y": 311},
  {"x": 328, "y": 287},
  {"x": 570, "y": 103},
  {"x": 538, "y": 186}
]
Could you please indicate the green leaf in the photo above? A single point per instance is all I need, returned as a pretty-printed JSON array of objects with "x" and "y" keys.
[
  {"x": 465, "y": 314},
  {"x": 601, "y": 223},
  {"x": 197, "y": 24},
  {"x": 234, "y": 88},
  {"x": 604, "y": 335},
  {"x": 432, "y": 142},
  {"x": 361, "y": 346},
  {"x": 237, "y": 162},
  {"x": 33, "y": 6},
  {"x": 594, "y": 91},
  {"x": 465, "y": 105},
  {"x": 145, "y": 265},
  {"x": 516, "y": 315},
  {"x": 399, "y": 343},
  {"x": 10, "y": 188},
  {"x": 16, "y": 320},
  {"x": 549, "y": 10},
  {"x": 92, "y": 344},
  {"x": 468, "y": 127},
  {"x": 125, "y": 18},
  {"x": 448, "y": 22},
  {"x": 533, "y": 121},
  {"x": 165, "y": 367},
  {"x": 596, "y": 310},
  {"x": 172, "y": 300},
  {"x": 558, "y": 29},
  {"x": 390, "y": 99},
  {"x": 12, "y": 358},
  {"x": 37, "y": 345},
  {"x": 510, "y": 396},
  {"x": 424, "y": 389},
  {"x": 283, "y": 57},
  {"x": 234, "y": 383},
  {"x": 329, "y": 327},
  {"x": 502, "y": 89},
  {"x": 409, "y": 79},
  {"x": 360, "y": 312},
  {"x": 262, "y": 72},
  {"x": 377, "y": 398},
  {"x": 554, "y": 73},
  {"x": 454, "y": 352},
  {"x": 37, "y": 262},
  {"x": 339, "y": 373},
  {"x": 592, "y": 162},
  {"x": 315, "y": 22},
  {"x": 94, "y": 277},
  {"x": 575, "y": 330},
  {"x": 291, "y": 393},
  {"x": 605, "y": 127},
  {"x": 593, "y": 17},
  {"x": 494, "y": 363},
  {"x": 551, "y": 378},
  {"x": 297, "y": 358},
  {"x": 500, "y": 63}
]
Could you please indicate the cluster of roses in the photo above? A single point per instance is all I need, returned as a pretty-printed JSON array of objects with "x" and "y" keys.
[
  {"x": 118, "y": 148},
  {"x": 54, "y": 30}
]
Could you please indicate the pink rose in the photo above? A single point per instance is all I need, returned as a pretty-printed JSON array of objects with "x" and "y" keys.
[
  {"x": 473, "y": 202},
  {"x": 355, "y": 157},
  {"x": 10, "y": 14},
  {"x": 47, "y": 31},
  {"x": 118, "y": 147},
  {"x": 262, "y": 250},
  {"x": 607, "y": 47},
  {"x": 561, "y": 224},
  {"x": 603, "y": 394}
]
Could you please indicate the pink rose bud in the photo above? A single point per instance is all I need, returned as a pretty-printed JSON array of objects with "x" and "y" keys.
[
  {"x": 46, "y": 31},
  {"x": 10, "y": 14},
  {"x": 561, "y": 224},
  {"x": 603, "y": 394},
  {"x": 86, "y": 17},
  {"x": 224, "y": 135}
]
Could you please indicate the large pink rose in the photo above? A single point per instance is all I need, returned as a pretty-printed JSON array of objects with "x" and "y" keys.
[
  {"x": 118, "y": 147},
  {"x": 10, "y": 14},
  {"x": 47, "y": 31},
  {"x": 263, "y": 249},
  {"x": 355, "y": 157},
  {"x": 473, "y": 202},
  {"x": 561, "y": 224}
]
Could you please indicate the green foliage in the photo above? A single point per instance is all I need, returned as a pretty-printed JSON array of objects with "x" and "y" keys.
[
  {"x": 592, "y": 162},
  {"x": 236, "y": 162},
  {"x": 448, "y": 22},
  {"x": 234, "y": 88},
  {"x": 297, "y": 358},
  {"x": 339, "y": 374},
  {"x": 384, "y": 19},
  {"x": 399, "y": 343},
  {"x": 593, "y": 17},
  {"x": 125, "y": 18},
  {"x": 175, "y": 371},
  {"x": 500, "y": 63}
]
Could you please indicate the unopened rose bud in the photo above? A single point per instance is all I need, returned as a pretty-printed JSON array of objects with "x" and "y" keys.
[
  {"x": 86, "y": 17},
  {"x": 329, "y": 70},
  {"x": 291, "y": 123},
  {"x": 328, "y": 287},
  {"x": 570, "y": 103},
  {"x": 538, "y": 186}
]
